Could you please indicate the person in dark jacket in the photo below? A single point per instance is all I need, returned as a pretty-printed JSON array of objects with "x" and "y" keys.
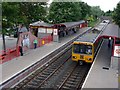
[
  {"x": 109, "y": 42},
  {"x": 21, "y": 51}
]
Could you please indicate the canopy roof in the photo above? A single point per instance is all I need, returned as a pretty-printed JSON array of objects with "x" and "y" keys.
[{"x": 41, "y": 24}]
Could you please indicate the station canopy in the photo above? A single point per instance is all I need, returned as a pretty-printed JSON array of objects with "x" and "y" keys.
[
  {"x": 41, "y": 24},
  {"x": 70, "y": 24},
  {"x": 66, "y": 24}
]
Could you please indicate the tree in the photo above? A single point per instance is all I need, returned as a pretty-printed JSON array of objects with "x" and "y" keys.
[
  {"x": 85, "y": 10},
  {"x": 116, "y": 14},
  {"x": 22, "y": 12},
  {"x": 9, "y": 11},
  {"x": 14, "y": 13},
  {"x": 60, "y": 12},
  {"x": 108, "y": 13},
  {"x": 32, "y": 11},
  {"x": 96, "y": 11}
]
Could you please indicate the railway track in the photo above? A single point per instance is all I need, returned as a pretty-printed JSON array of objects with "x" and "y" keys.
[
  {"x": 36, "y": 79},
  {"x": 74, "y": 77}
]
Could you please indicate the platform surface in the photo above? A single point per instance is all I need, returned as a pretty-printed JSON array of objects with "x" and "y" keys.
[{"x": 98, "y": 77}]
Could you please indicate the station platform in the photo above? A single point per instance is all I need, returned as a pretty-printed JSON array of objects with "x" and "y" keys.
[
  {"x": 101, "y": 75},
  {"x": 13, "y": 67}
]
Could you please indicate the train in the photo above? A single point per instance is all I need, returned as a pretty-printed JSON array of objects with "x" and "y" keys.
[{"x": 85, "y": 47}]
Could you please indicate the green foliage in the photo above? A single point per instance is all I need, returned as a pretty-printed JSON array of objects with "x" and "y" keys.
[
  {"x": 93, "y": 22},
  {"x": 85, "y": 10},
  {"x": 108, "y": 13},
  {"x": 96, "y": 11},
  {"x": 116, "y": 14},
  {"x": 64, "y": 12},
  {"x": 30, "y": 12},
  {"x": 14, "y": 13}
]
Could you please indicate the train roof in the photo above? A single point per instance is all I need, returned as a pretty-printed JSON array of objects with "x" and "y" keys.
[
  {"x": 89, "y": 37},
  {"x": 100, "y": 26},
  {"x": 92, "y": 35}
]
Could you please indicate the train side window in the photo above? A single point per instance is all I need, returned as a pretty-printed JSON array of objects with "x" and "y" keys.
[{"x": 117, "y": 41}]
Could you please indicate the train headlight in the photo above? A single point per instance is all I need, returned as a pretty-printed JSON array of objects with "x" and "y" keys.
[
  {"x": 89, "y": 59},
  {"x": 74, "y": 57}
]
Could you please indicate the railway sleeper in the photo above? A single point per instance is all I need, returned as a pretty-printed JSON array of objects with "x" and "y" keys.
[
  {"x": 33, "y": 83},
  {"x": 46, "y": 73},
  {"x": 20, "y": 84},
  {"x": 70, "y": 85},
  {"x": 31, "y": 86},
  {"x": 69, "y": 82},
  {"x": 65, "y": 87},
  {"x": 50, "y": 70},
  {"x": 17, "y": 87},
  {"x": 71, "y": 79},
  {"x": 37, "y": 80},
  {"x": 26, "y": 80},
  {"x": 41, "y": 79},
  {"x": 43, "y": 76}
]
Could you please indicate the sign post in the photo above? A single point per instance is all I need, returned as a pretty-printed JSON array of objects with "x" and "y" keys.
[
  {"x": 117, "y": 51},
  {"x": 55, "y": 35}
]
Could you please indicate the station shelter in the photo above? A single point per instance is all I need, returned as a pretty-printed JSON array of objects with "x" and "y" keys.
[
  {"x": 41, "y": 29},
  {"x": 68, "y": 28},
  {"x": 115, "y": 44}
]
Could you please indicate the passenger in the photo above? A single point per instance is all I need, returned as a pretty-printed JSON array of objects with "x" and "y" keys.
[
  {"x": 35, "y": 43},
  {"x": 88, "y": 51},
  {"x": 109, "y": 42}
]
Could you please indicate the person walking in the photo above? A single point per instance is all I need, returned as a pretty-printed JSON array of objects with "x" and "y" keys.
[{"x": 35, "y": 43}]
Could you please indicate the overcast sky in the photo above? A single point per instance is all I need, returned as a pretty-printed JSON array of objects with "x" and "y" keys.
[{"x": 105, "y": 5}]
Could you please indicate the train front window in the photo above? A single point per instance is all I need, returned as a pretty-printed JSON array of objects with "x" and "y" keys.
[
  {"x": 89, "y": 49},
  {"x": 82, "y": 49}
]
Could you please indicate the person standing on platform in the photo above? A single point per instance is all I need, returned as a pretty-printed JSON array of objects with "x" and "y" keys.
[
  {"x": 109, "y": 42},
  {"x": 35, "y": 43},
  {"x": 21, "y": 51}
]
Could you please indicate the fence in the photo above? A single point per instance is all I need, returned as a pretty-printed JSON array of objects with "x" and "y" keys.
[
  {"x": 12, "y": 53},
  {"x": 9, "y": 54}
]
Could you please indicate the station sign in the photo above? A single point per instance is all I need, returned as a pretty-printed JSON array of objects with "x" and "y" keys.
[
  {"x": 117, "y": 51},
  {"x": 42, "y": 30},
  {"x": 55, "y": 32},
  {"x": 49, "y": 30},
  {"x": 80, "y": 25}
]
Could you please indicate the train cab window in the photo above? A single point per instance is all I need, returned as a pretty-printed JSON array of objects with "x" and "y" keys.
[
  {"x": 88, "y": 49},
  {"x": 76, "y": 48},
  {"x": 82, "y": 49}
]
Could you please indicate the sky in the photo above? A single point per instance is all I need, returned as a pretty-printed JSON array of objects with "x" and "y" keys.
[{"x": 105, "y": 5}]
